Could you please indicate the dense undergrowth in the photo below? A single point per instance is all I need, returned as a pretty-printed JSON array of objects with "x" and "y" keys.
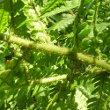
[{"x": 54, "y": 54}]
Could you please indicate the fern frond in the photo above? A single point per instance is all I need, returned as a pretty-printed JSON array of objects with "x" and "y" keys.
[
  {"x": 37, "y": 27},
  {"x": 101, "y": 92},
  {"x": 102, "y": 26},
  {"x": 4, "y": 14},
  {"x": 80, "y": 98},
  {"x": 61, "y": 25},
  {"x": 50, "y": 5},
  {"x": 60, "y": 9}
]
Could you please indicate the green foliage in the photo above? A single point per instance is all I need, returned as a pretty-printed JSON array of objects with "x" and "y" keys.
[
  {"x": 4, "y": 15},
  {"x": 2, "y": 61},
  {"x": 50, "y": 4},
  {"x": 69, "y": 5},
  {"x": 62, "y": 24},
  {"x": 81, "y": 25},
  {"x": 101, "y": 92}
]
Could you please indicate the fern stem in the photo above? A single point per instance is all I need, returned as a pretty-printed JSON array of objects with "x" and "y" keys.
[
  {"x": 51, "y": 20},
  {"x": 55, "y": 78},
  {"x": 48, "y": 80},
  {"x": 38, "y": 46},
  {"x": 88, "y": 59},
  {"x": 55, "y": 49},
  {"x": 52, "y": 3},
  {"x": 53, "y": 100},
  {"x": 5, "y": 72},
  {"x": 12, "y": 14},
  {"x": 76, "y": 27},
  {"x": 95, "y": 28},
  {"x": 70, "y": 11}
]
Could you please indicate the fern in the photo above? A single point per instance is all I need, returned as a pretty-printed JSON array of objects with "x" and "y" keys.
[
  {"x": 4, "y": 15},
  {"x": 60, "y": 9},
  {"x": 36, "y": 26},
  {"x": 102, "y": 26},
  {"x": 41, "y": 75},
  {"x": 2, "y": 61},
  {"x": 61, "y": 25},
  {"x": 49, "y": 5},
  {"x": 101, "y": 92}
]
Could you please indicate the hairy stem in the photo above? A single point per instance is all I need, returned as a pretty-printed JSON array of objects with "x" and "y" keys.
[
  {"x": 55, "y": 49},
  {"x": 48, "y": 80}
]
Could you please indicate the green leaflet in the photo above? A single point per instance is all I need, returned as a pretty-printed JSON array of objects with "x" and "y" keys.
[
  {"x": 37, "y": 27},
  {"x": 2, "y": 58},
  {"x": 19, "y": 19},
  {"x": 2, "y": 62},
  {"x": 50, "y": 5},
  {"x": 61, "y": 25},
  {"x": 85, "y": 32},
  {"x": 21, "y": 24},
  {"x": 4, "y": 15},
  {"x": 102, "y": 26},
  {"x": 101, "y": 92},
  {"x": 61, "y": 9}
]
